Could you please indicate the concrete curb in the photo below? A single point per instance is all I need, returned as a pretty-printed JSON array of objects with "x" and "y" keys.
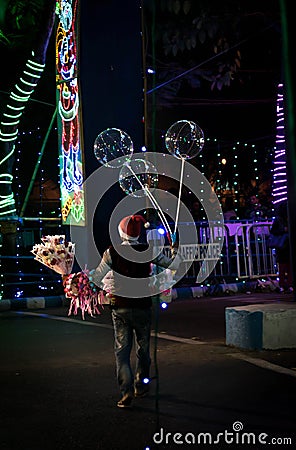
[
  {"x": 214, "y": 290},
  {"x": 32, "y": 303},
  {"x": 258, "y": 327},
  {"x": 179, "y": 293}
]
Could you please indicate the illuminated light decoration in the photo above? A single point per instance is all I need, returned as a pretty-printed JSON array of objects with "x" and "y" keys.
[
  {"x": 19, "y": 98},
  {"x": 30, "y": 74},
  {"x": 28, "y": 83},
  {"x": 19, "y": 294},
  {"x": 16, "y": 108},
  {"x": 11, "y": 116},
  {"x": 13, "y": 111},
  {"x": 230, "y": 178},
  {"x": 7, "y": 137},
  {"x": 279, "y": 189},
  {"x": 70, "y": 152},
  {"x": 219, "y": 186},
  {"x": 20, "y": 267},
  {"x": 9, "y": 123},
  {"x": 1, "y": 277},
  {"x": 27, "y": 93}
]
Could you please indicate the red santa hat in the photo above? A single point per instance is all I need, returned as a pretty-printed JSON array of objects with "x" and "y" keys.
[{"x": 130, "y": 226}]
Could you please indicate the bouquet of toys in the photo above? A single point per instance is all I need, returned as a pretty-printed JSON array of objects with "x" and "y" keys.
[
  {"x": 58, "y": 254},
  {"x": 83, "y": 294}
]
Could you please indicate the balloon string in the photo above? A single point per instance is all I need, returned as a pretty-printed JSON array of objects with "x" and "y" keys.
[
  {"x": 155, "y": 204},
  {"x": 162, "y": 216},
  {"x": 179, "y": 197}
]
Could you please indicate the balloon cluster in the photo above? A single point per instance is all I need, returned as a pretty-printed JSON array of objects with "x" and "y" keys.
[
  {"x": 82, "y": 293},
  {"x": 114, "y": 148}
]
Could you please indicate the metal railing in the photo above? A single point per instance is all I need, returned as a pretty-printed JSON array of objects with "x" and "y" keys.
[
  {"x": 254, "y": 258},
  {"x": 244, "y": 254}
]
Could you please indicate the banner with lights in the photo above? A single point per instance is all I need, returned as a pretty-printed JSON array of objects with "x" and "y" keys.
[{"x": 69, "y": 114}]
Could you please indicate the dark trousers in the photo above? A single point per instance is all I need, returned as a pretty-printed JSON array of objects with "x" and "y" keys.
[{"x": 130, "y": 324}]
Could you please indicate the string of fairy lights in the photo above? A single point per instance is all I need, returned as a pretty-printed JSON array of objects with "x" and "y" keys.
[
  {"x": 227, "y": 173},
  {"x": 28, "y": 228}
]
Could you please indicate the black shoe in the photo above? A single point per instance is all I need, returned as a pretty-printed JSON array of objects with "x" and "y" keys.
[
  {"x": 142, "y": 391},
  {"x": 126, "y": 401}
]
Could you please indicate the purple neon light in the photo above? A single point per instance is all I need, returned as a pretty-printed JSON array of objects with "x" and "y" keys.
[{"x": 279, "y": 190}]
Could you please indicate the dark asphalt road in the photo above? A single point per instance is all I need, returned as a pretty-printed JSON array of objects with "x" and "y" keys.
[{"x": 59, "y": 392}]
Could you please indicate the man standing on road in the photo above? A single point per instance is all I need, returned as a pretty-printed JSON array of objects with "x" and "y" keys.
[{"x": 131, "y": 315}]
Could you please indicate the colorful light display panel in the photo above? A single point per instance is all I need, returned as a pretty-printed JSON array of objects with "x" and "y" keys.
[{"x": 69, "y": 114}]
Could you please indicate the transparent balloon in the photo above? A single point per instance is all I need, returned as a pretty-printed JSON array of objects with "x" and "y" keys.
[
  {"x": 184, "y": 139},
  {"x": 136, "y": 176},
  {"x": 113, "y": 147}
]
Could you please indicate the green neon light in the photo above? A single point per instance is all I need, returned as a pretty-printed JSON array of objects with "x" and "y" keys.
[
  {"x": 4, "y": 159},
  {"x": 5, "y": 205},
  {"x": 8, "y": 175},
  {"x": 30, "y": 61},
  {"x": 10, "y": 123},
  {"x": 8, "y": 212},
  {"x": 15, "y": 108},
  {"x": 8, "y": 134},
  {"x": 31, "y": 74},
  {"x": 27, "y": 82},
  {"x": 8, "y": 200},
  {"x": 22, "y": 91},
  {"x": 34, "y": 68},
  {"x": 11, "y": 116},
  {"x": 6, "y": 140},
  {"x": 37, "y": 164},
  {"x": 17, "y": 98},
  {"x": 21, "y": 97}
]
